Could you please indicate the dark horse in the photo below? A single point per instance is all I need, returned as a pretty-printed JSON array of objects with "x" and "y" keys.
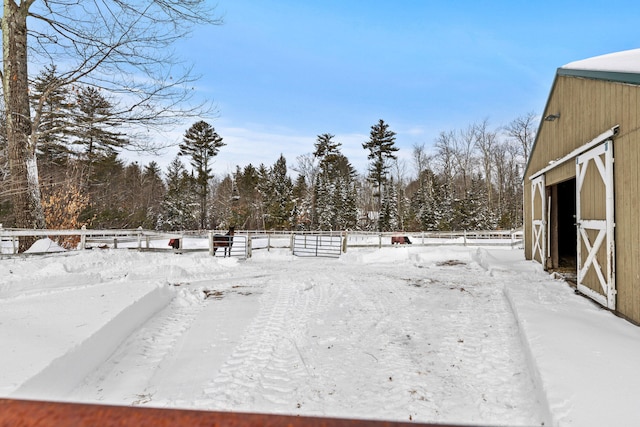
[{"x": 223, "y": 241}]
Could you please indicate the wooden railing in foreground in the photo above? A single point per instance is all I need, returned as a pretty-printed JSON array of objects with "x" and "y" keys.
[{"x": 26, "y": 413}]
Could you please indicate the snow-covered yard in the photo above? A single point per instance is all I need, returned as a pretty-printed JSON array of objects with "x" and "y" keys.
[{"x": 436, "y": 334}]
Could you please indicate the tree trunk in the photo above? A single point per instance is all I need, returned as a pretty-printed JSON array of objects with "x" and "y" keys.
[{"x": 23, "y": 167}]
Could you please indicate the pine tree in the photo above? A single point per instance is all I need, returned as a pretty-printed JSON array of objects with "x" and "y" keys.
[
  {"x": 443, "y": 202},
  {"x": 302, "y": 204},
  {"x": 389, "y": 208},
  {"x": 107, "y": 201},
  {"x": 133, "y": 210},
  {"x": 54, "y": 118},
  {"x": 324, "y": 202},
  {"x": 179, "y": 206},
  {"x": 279, "y": 196},
  {"x": 201, "y": 143},
  {"x": 334, "y": 190},
  {"x": 381, "y": 146},
  {"x": 93, "y": 125},
  {"x": 153, "y": 191},
  {"x": 247, "y": 210}
]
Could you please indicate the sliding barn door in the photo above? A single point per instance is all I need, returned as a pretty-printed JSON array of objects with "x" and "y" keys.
[
  {"x": 595, "y": 224},
  {"x": 538, "y": 220}
]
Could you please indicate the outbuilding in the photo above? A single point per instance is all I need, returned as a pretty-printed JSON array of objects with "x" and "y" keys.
[{"x": 581, "y": 202}]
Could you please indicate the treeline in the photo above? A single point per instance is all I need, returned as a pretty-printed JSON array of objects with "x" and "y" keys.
[{"x": 468, "y": 178}]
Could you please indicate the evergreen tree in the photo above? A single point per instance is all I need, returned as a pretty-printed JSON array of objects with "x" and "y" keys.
[
  {"x": 93, "y": 124},
  {"x": 324, "y": 202},
  {"x": 279, "y": 196},
  {"x": 381, "y": 146},
  {"x": 423, "y": 203},
  {"x": 106, "y": 199},
  {"x": 201, "y": 143},
  {"x": 335, "y": 204},
  {"x": 264, "y": 188},
  {"x": 325, "y": 146},
  {"x": 179, "y": 206},
  {"x": 247, "y": 210},
  {"x": 350, "y": 213},
  {"x": 134, "y": 213},
  {"x": 222, "y": 211},
  {"x": 443, "y": 202},
  {"x": 54, "y": 116},
  {"x": 388, "y": 220},
  {"x": 302, "y": 205},
  {"x": 153, "y": 191}
]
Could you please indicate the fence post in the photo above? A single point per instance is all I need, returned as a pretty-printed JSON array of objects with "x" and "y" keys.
[
  {"x": 248, "y": 245},
  {"x": 211, "y": 243},
  {"x": 291, "y": 242},
  {"x": 379, "y": 240},
  {"x": 344, "y": 242},
  {"x": 464, "y": 233},
  {"x": 268, "y": 242},
  {"x": 115, "y": 243},
  {"x": 139, "y": 233},
  {"x": 83, "y": 237}
]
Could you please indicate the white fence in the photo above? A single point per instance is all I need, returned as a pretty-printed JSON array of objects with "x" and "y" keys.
[
  {"x": 144, "y": 240},
  {"x": 246, "y": 241}
]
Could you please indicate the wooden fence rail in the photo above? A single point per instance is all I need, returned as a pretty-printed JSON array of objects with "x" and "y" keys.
[{"x": 245, "y": 241}]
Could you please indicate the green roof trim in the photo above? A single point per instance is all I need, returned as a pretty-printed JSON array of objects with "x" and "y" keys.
[{"x": 612, "y": 76}]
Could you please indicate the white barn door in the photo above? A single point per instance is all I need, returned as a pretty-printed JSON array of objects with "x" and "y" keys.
[
  {"x": 595, "y": 224},
  {"x": 539, "y": 220}
]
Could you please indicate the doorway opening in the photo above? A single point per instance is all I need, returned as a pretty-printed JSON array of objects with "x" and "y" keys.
[{"x": 563, "y": 236}]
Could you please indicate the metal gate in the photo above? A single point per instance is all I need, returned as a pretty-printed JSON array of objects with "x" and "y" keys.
[
  {"x": 317, "y": 245},
  {"x": 539, "y": 220},
  {"x": 595, "y": 224}
]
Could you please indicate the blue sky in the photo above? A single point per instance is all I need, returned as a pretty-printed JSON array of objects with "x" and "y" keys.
[{"x": 281, "y": 72}]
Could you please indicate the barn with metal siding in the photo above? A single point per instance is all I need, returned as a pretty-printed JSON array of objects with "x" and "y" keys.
[{"x": 581, "y": 183}]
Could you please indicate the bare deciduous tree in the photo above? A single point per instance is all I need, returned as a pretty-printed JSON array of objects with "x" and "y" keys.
[
  {"x": 522, "y": 130},
  {"x": 486, "y": 141},
  {"x": 464, "y": 155},
  {"x": 121, "y": 47},
  {"x": 421, "y": 159}
]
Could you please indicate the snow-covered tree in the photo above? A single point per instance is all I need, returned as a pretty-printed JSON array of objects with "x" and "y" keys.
[
  {"x": 334, "y": 190},
  {"x": 180, "y": 206},
  {"x": 277, "y": 193}
]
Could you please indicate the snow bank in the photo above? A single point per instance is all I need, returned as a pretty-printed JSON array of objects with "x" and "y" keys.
[
  {"x": 45, "y": 245},
  {"x": 63, "y": 314},
  {"x": 398, "y": 254},
  {"x": 64, "y": 373}
]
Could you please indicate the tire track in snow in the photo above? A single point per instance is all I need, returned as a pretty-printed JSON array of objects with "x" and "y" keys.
[
  {"x": 270, "y": 367},
  {"x": 479, "y": 366},
  {"x": 382, "y": 367}
]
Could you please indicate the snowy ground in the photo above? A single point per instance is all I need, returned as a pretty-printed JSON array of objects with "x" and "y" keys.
[{"x": 437, "y": 334}]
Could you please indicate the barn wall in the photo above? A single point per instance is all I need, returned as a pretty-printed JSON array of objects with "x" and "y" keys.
[{"x": 587, "y": 108}]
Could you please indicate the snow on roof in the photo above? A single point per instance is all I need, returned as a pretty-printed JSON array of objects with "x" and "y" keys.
[{"x": 627, "y": 61}]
